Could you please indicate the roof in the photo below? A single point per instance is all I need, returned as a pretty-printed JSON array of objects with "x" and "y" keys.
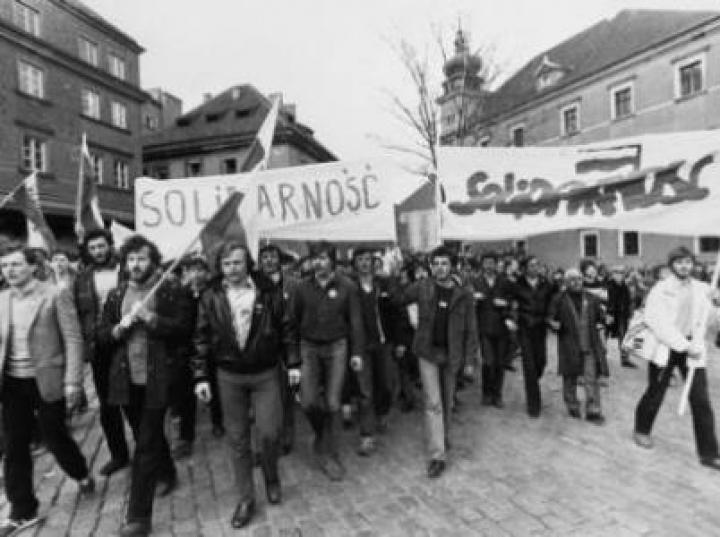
[
  {"x": 604, "y": 44},
  {"x": 78, "y": 6},
  {"x": 235, "y": 115}
]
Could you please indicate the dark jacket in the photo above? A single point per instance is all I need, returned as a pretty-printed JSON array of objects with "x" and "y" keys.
[
  {"x": 462, "y": 328},
  {"x": 490, "y": 316},
  {"x": 270, "y": 341},
  {"x": 86, "y": 302},
  {"x": 329, "y": 314},
  {"x": 619, "y": 305},
  {"x": 378, "y": 309},
  {"x": 569, "y": 358},
  {"x": 530, "y": 305},
  {"x": 173, "y": 320}
]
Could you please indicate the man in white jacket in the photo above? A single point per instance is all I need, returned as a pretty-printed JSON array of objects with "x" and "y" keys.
[{"x": 677, "y": 311}]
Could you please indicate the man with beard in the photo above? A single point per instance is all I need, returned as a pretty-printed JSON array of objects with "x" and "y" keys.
[
  {"x": 92, "y": 286},
  {"x": 141, "y": 330},
  {"x": 531, "y": 298},
  {"x": 492, "y": 308},
  {"x": 40, "y": 374},
  {"x": 577, "y": 316},
  {"x": 445, "y": 342},
  {"x": 326, "y": 311},
  {"x": 677, "y": 312}
]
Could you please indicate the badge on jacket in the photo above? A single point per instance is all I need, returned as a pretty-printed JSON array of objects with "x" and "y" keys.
[{"x": 332, "y": 293}]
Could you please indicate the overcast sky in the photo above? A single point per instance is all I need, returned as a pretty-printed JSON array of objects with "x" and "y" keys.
[{"x": 334, "y": 59}]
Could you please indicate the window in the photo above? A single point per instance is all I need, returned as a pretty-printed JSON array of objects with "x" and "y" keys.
[
  {"x": 162, "y": 172},
  {"x": 708, "y": 245},
  {"x": 518, "y": 136},
  {"x": 151, "y": 122},
  {"x": 193, "y": 168},
  {"x": 31, "y": 79},
  {"x": 570, "y": 118},
  {"x": 119, "y": 115},
  {"x": 629, "y": 243},
  {"x": 97, "y": 164},
  {"x": 117, "y": 66},
  {"x": 88, "y": 51},
  {"x": 34, "y": 153},
  {"x": 90, "y": 104},
  {"x": 622, "y": 102},
  {"x": 122, "y": 174},
  {"x": 230, "y": 165},
  {"x": 589, "y": 244},
  {"x": 484, "y": 141},
  {"x": 27, "y": 18},
  {"x": 690, "y": 76}
]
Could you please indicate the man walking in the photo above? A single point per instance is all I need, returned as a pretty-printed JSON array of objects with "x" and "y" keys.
[
  {"x": 677, "y": 312},
  {"x": 326, "y": 311},
  {"x": 445, "y": 341},
  {"x": 141, "y": 330},
  {"x": 619, "y": 311},
  {"x": 41, "y": 364},
  {"x": 578, "y": 318},
  {"x": 492, "y": 309},
  {"x": 92, "y": 286}
]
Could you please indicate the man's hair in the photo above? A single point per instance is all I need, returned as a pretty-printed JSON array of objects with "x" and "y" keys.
[
  {"x": 525, "y": 260},
  {"x": 229, "y": 247},
  {"x": 681, "y": 252},
  {"x": 362, "y": 250},
  {"x": 270, "y": 248},
  {"x": 136, "y": 243},
  {"x": 194, "y": 261},
  {"x": 96, "y": 234},
  {"x": 30, "y": 254},
  {"x": 488, "y": 255},
  {"x": 585, "y": 263},
  {"x": 320, "y": 247},
  {"x": 443, "y": 251}
]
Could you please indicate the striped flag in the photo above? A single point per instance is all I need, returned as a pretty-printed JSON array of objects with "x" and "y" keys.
[
  {"x": 259, "y": 153},
  {"x": 28, "y": 199},
  {"x": 87, "y": 206}
]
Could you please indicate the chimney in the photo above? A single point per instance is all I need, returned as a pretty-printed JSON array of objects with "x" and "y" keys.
[{"x": 289, "y": 110}]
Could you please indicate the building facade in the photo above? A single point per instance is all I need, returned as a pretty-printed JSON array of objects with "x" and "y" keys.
[
  {"x": 215, "y": 137},
  {"x": 640, "y": 72},
  {"x": 67, "y": 71}
]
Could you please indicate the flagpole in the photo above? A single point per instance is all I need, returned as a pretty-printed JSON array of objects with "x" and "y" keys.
[
  {"x": 81, "y": 184},
  {"x": 685, "y": 396},
  {"x": 10, "y": 194}
]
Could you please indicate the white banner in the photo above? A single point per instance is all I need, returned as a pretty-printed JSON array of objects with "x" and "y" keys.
[
  {"x": 348, "y": 201},
  {"x": 665, "y": 183}
]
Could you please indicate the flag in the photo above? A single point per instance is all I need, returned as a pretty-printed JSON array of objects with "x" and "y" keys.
[
  {"x": 120, "y": 233},
  {"x": 28, "y": 199},
  {"x": 87, "y": 206},
  {"x": 259, "y": 153},
  {"x": 225, "y": 225}
]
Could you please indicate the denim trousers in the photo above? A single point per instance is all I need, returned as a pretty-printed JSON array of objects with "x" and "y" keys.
[
  {"x": 373, "y": 382},
  {"x": 592, "y": 387},
  {"x": 438, "y": 384}
]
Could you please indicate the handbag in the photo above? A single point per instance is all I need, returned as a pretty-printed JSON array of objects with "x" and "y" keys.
[{"x": 639, "y": 340}]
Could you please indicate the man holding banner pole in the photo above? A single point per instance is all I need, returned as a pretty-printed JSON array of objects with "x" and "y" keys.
[{"x": 677, "y": 312}]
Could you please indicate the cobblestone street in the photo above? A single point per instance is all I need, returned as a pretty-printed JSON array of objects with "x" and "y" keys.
[{"x": 508, "y": 476}]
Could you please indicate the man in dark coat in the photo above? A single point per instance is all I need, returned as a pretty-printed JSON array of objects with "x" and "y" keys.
[
  {"x": 141, "y": 330},
  {"x": 578, "y": 318},
  {"x": 619, "y": 310}
]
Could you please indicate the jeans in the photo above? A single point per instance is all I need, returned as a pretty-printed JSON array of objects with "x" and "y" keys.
[
  {"x": 322, "y": 377},
  {"x": 438, "y": 383},
  {"x": 374, "y": 387},
  {"x": 534, "y": 359},
  {"x": 152, "y": 461},
  {"x": 261, "y": 392},
  {"x": 20, "y": 400},
  {"x": 111, "y": 419},
  {"x": 592, "y": 387},
  {"x": 702, "y": 412},
  {"x": 494, "y": 351},
  {"x": 287, "y": 393},
  {"x": 184, "y": 402}
]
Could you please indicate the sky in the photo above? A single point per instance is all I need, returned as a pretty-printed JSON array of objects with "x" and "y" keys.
[{"x": 336, "y": 60}]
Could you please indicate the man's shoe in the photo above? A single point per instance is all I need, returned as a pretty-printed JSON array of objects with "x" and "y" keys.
[
  {"x": 643, "y": 440},
  {"x": 13, "y": 526},
  {"x": 332, "y": 468},
  {"x": 218, "y": 431},
  {"x": 381, "y": 425},
  {"x": 711, "y": 462},
  {"x": 112, "y": 466},
  {"x": 627, "y": 363},
  {"x": 367, "y": 446},
  {"x": 135, "y": 529},
  {"x": 86, "y": 486},
  {"x": 287, "y": 448},
  {"x": 242, "y": 515},
  {"x": 435, "y": 468},
  {"x": 183, "y": 450},
  {"x": 595, "y": 418},
  {"x": 166, "y": 486},
  {"x": 574, "y": 413},
  {"x": 498, "y": 402},
  {"x": 273, "y": 492}
]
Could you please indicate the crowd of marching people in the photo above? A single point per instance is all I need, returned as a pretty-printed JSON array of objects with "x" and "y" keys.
[{"x": 347, "y": 339}]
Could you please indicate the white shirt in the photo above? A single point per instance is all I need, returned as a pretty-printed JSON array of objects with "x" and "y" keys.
[{"x": 242, "y": 303}]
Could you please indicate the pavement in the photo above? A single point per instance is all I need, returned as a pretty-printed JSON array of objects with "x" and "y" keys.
[{"x": 508, "y": 475}]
